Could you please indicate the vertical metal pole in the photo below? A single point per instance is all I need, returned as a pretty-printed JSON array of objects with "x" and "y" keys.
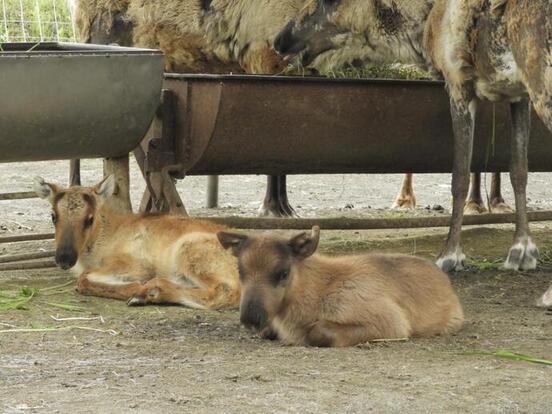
[
  {"x": 212, "y": 191},
  {"x": 74, "y": 173}
]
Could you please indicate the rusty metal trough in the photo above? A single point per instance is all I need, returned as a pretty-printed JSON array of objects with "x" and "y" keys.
[
  {"x": 64, "y": 100},
  {"x": 295, "y": 125}
]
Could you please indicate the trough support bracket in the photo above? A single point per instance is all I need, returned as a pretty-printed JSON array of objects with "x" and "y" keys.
[{"x": 158, "y": 161}]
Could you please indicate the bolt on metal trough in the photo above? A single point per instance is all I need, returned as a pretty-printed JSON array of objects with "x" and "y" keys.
[{"x": 68, "y": 100}]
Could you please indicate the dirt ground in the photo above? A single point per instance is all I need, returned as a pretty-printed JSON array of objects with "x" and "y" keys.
[{"x": 172, "y": 359}]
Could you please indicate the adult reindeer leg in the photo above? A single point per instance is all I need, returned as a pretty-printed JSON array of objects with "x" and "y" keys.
[
  {"x": 524, "y": 253},
  {"x": 275, "y": 203},
  {"x": 498, "y": 205},
  {"x": 475, "y": 203},
  {"x": 463, "y": 111},
  {"x": 406, "y": 198}
]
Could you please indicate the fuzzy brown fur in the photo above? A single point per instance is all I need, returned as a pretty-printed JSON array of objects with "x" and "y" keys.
[
  {"x": 140, "y": 258},
  {"x": 310, "y": 299}
]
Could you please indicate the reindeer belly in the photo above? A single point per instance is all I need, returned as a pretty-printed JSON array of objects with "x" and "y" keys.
[
  {"x": 496, "y": 73},
  {"x": 504, "y": 81}
]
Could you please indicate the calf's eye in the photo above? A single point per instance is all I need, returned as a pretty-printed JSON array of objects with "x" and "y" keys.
[
  {"x": 88, "y": 221},
  {"x": 281, "y": 275},
  {"x": 54, "y": 218}
]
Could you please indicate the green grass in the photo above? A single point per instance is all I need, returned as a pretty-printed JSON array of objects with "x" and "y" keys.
[
  {"x": 36, "y": 20},
  {"x": 23, "y": 297},
  {"x": 514, "y": 356}
]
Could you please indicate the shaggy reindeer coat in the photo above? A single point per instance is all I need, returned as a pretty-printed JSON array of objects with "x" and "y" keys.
[{"x": 196, "y": 35}]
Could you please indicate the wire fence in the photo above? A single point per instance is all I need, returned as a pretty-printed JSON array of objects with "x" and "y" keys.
[{"x": 36, "y": 21}]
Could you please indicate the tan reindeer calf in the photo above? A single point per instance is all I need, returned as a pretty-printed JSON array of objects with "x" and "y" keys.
[
  {"x": 139, "y": 258},
  {"x": 309, "y": 299}
]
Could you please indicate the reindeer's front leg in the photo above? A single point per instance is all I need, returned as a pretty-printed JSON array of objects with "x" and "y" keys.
[
  {"x": 463, "y": 121},
  {"x": 524, "y": 253}
]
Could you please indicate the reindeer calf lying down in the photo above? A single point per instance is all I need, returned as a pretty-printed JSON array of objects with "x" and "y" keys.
[
  {"x": 140, "y": 258},
  {"x": 308, "y": 299}
]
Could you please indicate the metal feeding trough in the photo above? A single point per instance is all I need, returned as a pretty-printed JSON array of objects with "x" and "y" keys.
[
  {"x": 65, "y": 100},
  {"x": 296, "y": 125},
  {"x": 212, "y": 124}
]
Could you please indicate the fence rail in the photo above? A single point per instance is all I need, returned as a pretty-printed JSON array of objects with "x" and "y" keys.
[{"x": 36, "y": 21}]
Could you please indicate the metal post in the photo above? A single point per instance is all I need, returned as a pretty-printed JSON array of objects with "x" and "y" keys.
[{"x": 212, "y": 191}]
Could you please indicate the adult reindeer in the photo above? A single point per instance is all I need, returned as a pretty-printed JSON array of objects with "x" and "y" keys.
[{"x": 485, "y": 49}]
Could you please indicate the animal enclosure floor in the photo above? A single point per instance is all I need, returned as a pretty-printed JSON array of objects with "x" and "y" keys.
[{"x": 172, "y": 359}]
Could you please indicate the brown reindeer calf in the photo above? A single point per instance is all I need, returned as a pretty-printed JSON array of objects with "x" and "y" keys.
[
  {"x": 139, "y": 258},
  {"x": 309, "y": 299}
]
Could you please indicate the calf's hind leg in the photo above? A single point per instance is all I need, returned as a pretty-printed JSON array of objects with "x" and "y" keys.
[
  {"x": 332, "y": 334},
  {"x": 524, "y": 253},
  {"x": 165, "y": 291}
]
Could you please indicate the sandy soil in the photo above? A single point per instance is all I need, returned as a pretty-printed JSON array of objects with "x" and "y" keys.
[{"x": 172, "y": 359}]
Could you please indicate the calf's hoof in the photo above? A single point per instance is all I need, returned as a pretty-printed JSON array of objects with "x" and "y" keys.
[
  {"x": 136, "y": 301},
  {"x": 82, "y": 286},
  {"x": 523, "y": 255},
  {"x": 451, "y": 262},
  {"x": 545, "y": 301}
]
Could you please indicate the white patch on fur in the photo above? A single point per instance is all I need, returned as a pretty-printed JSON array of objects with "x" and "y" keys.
[
  {"x": 190, "y": 303},
  {"x": 527, "y": 262},
  {"x": 505, "y": 82},
  {"x": 453, "y": 40},
  {"x": 78, "y": 268},
  {"x": 457, "y": 257},
  {"x": 107, "y": 279},
  {"x": 546, "y": 300},
  {"x": 472, "y": 107}
]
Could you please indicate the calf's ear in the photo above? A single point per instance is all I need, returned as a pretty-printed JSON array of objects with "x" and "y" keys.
[
  {"x": 233, "y": 241},
  {"x": 45, "y": 190},
  {"x": 107, "y": 187},
  {"x": 304, "y": 245}
]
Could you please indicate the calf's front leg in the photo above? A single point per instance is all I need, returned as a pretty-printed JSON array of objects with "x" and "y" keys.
[
  {"x": 524, "y": 253},
  {"x": 463, "y": 121},
  {"x": 110, "y": 284},
  {"x": 164, "y": 291}
]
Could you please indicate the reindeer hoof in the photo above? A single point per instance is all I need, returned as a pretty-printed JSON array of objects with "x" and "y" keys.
[
  {"x": 501, "y": 207},
  {"x": 277, "y": 209},
  {"x": 136, "y": 301},
  {"x": 474, "y": 207},
  {"x": 452, "y": 262},
  {"x": 523, "y": 255},
  {"x": 407, "y": 203}
]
